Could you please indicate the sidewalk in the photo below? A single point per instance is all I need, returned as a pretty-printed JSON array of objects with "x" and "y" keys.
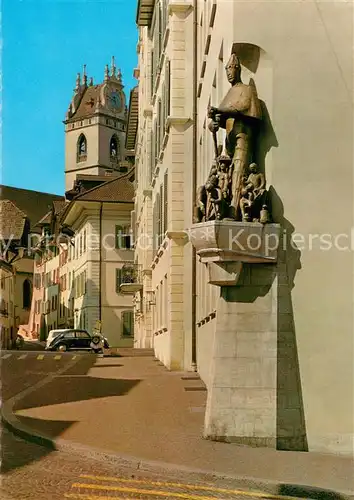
[{"x": 134, "y": 406}]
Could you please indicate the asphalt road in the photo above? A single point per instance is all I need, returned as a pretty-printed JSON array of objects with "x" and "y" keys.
[{"x": 30, "y": 471}]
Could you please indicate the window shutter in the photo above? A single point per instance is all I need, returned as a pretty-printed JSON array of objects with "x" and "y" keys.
[
  {"x": 165, "y": 203},
  {"x": 158, "y": 219},
  {"x": 154, "y": 219},
  {"x": 161, "y": 221},
  {"x": 133, "y": 226},
  {"x": 119, "y": 232},
  {"x": 127, "y": 323},
  {"x": 168, "y": 87},
  {"x": 163, "y": 115},
  {"x": 159, "y": 27},
  {"x": 152, "y": 153},
  {"x": 164, "y": 16},
  {"x": 118, "y": 280},
  {"x": 152, "y": 82},
  {"x": 158, "y": 131}
]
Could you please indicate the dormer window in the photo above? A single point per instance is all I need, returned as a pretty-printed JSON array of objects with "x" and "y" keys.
[
  {"x": 114, "y": 148},
  {"x": 81, "y": 148}
]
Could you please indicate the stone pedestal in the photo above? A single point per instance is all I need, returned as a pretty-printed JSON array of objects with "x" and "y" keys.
[
  {"x": 253, "y": 392},
  {"x": 242, "y": 395}
]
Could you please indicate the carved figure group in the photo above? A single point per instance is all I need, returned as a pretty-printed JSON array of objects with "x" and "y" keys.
[{"x": 235, "y": 188}]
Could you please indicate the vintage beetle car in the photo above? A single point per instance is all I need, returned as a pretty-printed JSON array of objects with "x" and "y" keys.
[{"x": 75, "y": 340}]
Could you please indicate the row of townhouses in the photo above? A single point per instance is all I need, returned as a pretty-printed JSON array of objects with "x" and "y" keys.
[{"x": 84, "y": 252}]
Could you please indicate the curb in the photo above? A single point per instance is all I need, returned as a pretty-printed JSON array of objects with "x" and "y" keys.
[{"x": 268, "y": 488}]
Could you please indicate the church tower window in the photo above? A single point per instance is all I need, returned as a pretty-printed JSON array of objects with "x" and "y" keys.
[
  {"x": 81, "y": 148},
  {"x": 114, "y": 148}
]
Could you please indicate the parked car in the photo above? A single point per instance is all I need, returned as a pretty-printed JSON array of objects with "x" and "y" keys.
[
  {"x": 77, "y": 340},
  {"x": 55, "y": 333}
]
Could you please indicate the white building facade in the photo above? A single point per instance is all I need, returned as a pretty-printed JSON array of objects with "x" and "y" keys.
[{"x": 284, "y": 341}]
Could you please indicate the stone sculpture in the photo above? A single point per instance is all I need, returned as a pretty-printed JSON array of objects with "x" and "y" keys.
[{"x": 235, "y": 189}]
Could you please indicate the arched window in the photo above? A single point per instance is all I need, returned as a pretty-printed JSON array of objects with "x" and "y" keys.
[
  {"x": 114, "y": 148},
  {"x": 27, "y": 294},
  {"x": 81, "y": 148}
]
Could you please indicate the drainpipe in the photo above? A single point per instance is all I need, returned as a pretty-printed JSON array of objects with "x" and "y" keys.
[
  {"x": 100, "y": 271},
  {"x": 194, "y": 183}
]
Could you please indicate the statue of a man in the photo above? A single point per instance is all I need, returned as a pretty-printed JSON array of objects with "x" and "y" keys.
[
  {"x": 256, "y": 180},
  {"x": 239, "y": 114},
  {"x": 253, "y": 193},
  {"x": 214, "y": 199}
]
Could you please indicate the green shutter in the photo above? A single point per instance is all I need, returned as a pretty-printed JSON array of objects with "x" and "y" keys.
[
  {"x": 127, "y": 323},
  {"x": 152, "y": 72},
  {"x": 119, "y": 232},
  {"x": 118, "y": 279},
  {"x": 165, "y": 203},
  {"x": 168, "y": 87}
]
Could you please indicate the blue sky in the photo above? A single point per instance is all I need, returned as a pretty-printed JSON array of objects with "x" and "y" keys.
[{"x": 45, "y": 44}]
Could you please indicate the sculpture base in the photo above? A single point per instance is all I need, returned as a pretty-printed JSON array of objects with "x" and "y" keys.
[
  {"x": 224, "y": 273},
  {"x": 231, "y": 241},
  {"x": 253, "y": 395}
]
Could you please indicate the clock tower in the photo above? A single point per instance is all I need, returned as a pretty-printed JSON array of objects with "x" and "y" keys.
[{"x": 95, "y": 127}]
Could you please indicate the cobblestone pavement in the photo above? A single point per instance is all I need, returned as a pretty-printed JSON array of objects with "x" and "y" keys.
[{"x": 32, "y": 472}]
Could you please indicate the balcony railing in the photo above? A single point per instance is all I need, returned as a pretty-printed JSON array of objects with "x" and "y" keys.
[{"x": 131, "y": 278}]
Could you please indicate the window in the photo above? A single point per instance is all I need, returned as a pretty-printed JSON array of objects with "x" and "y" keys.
[
  {"x": 168, "y": 88},
  {"x": 127, "y": 323},
  {"x": 152, "y": 151},
  {"x": 165, "y": 203},
  {"x": 82, "y": 335},
  {"x": 69, "y": 335},
  {"x": 85, "y": 240},
  {"x": 27, "y": 294},
  {"x": 118, "y": 279},
  {"x": 123, "y": 238},
  {"x": 114, "y": 148},
  {"x": 81, "y": 148},
  {"x": 161, "y": 222},
  {"x": 127, "y": 274}
]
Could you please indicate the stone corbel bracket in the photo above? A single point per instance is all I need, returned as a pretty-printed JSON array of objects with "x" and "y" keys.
[
  {"x": 176, "y": 6},
  {"x": 225, "y": 245}
]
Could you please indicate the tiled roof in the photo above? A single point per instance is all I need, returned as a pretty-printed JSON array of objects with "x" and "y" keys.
[
  {"x": 12, "y": 221},
  {"x": 59, "y": 206},
  {"x": 46, "y": 219},
  {"x": 88, "y": 102},
  {"x": 119, "y": 190},
  {"x": 34, "y": 204}
]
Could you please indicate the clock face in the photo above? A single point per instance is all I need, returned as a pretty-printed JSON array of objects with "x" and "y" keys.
[{"x": 115, "y": 100}]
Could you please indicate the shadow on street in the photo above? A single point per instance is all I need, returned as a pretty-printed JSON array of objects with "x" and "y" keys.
[{"x": 72, "y": 386}]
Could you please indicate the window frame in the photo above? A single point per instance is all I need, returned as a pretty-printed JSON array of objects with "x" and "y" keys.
[{"x": 130, "y": 323}]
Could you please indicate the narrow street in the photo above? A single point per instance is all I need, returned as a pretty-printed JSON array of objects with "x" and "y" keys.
[{"x": 31, "y": 471}]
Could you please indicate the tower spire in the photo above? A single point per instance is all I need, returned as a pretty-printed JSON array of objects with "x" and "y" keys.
[
  {"x": 84, "y": 77},
  {"x": 106, "y": 73},
  {"x": 119, "y": 75},
  {"x": 113, "y": 67},
  {"x": 78, "y": 81}
]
